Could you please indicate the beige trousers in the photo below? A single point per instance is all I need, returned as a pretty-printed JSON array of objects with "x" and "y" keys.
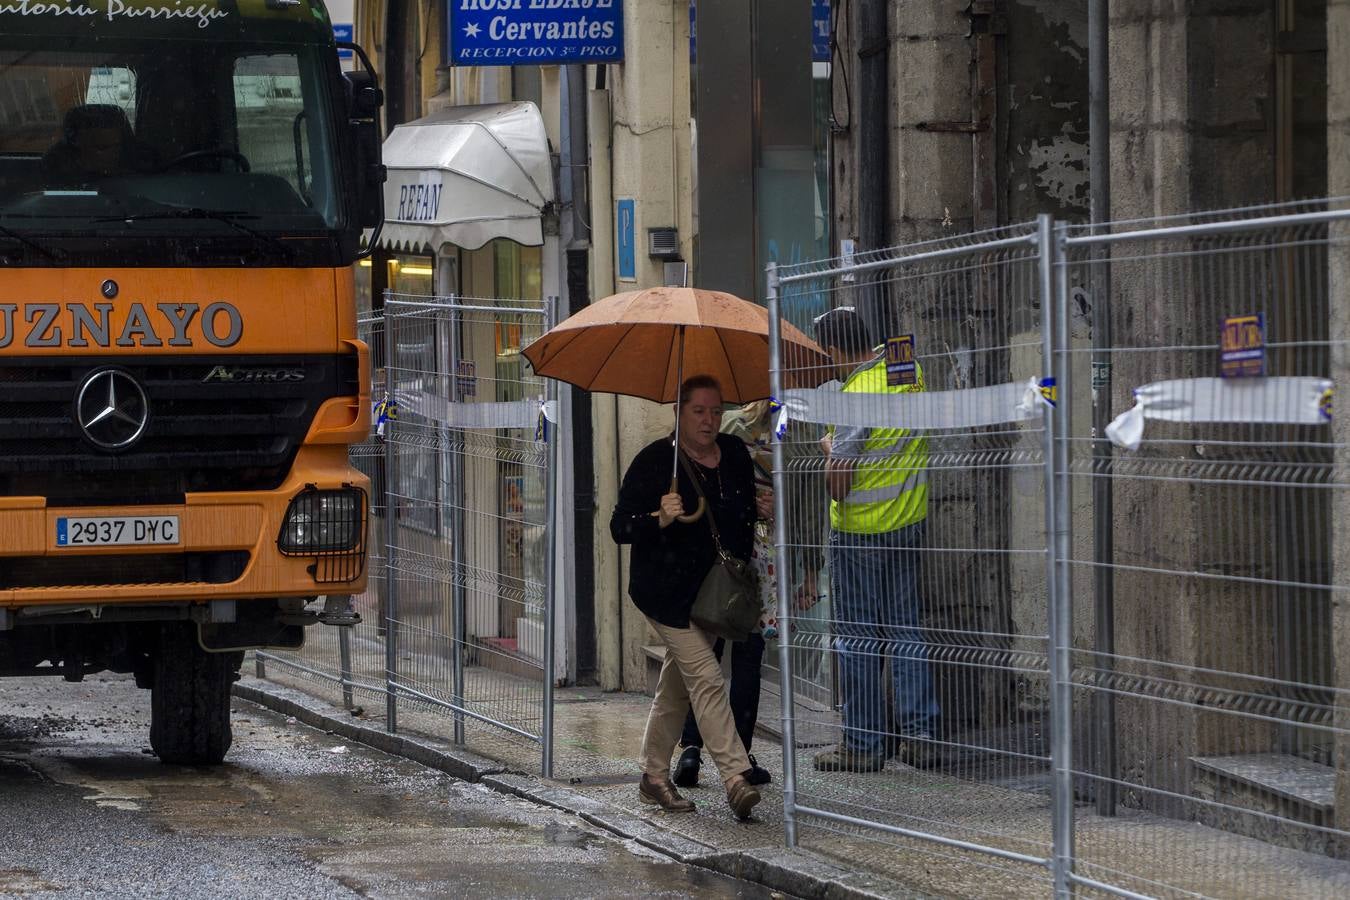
[{"x": 690, "y": 676}]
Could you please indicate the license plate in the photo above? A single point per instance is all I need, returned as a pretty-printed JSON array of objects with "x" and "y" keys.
[{"x": 112, "y": 531}]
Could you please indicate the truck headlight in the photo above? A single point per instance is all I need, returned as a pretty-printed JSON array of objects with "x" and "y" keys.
[{"x": 324, "y": 521}]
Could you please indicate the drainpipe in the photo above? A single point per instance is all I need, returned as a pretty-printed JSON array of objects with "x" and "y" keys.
[
  {"x": 1103, "y": 548},
  {"x": 576, "y": 274},
  {"x": 874, "y": 189}
]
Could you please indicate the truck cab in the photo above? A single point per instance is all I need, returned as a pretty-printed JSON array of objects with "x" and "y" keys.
[{"x": 183, "y": 192}]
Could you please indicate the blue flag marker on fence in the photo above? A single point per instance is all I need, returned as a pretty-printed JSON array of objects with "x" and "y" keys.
[
  {"x": 386, "y": 410},
  {"x": 778, "y": 415}
]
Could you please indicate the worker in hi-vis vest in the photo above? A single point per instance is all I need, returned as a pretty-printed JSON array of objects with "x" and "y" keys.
[{"x": 878, "y": 485}]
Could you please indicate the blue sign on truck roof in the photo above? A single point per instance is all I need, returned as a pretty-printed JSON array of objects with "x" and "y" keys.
[{"x": 534, "y": 32}]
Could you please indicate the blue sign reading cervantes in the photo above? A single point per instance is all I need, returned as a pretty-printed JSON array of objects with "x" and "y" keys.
[{"x": 534, "y": 32}]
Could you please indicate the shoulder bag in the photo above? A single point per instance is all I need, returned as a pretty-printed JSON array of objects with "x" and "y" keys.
[{"x": 728, "y": 603}]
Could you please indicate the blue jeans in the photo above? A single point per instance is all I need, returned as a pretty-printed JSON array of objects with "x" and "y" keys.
[{"x": 875, "y": 584}]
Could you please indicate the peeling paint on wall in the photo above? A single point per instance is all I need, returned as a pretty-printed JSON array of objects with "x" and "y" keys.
[
  {"x": 1060, "y": 167},
  {"x": 1045, "y": 101}
]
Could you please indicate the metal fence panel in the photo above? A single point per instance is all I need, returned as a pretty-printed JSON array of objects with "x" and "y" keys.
[
  {"x": 926, "y": 655},
  {"x": 468, "y": 510},
  {"x": 1180, "y": 730},
  {"x": 346, "y": 664},
  {"x": 456, "y": 629},
  {"x": 1210, "y": 730}
]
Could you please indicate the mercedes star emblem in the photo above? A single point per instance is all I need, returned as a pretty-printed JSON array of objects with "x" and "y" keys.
[{"x": 112, "y": 409}]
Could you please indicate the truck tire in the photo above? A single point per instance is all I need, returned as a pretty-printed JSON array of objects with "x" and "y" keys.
[{"x": 190, "y": 699}]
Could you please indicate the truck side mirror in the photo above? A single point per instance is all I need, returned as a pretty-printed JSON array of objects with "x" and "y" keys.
[{"x": 364, "y": 101}]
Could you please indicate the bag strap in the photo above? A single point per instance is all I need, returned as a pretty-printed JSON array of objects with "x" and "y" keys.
[{"x": 712, "y": 520}]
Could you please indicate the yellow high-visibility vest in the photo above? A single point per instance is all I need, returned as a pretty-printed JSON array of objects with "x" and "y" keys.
[{"x": 890, "y": 481}]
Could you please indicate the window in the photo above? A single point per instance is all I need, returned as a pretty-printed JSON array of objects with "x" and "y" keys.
[
  {"x": 131, "y": 135},
  {"x": 113, "y": 86},
  {"x": 271, "y": 119}
]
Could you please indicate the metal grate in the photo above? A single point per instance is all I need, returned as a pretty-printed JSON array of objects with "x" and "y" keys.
[
  {"x": 219, "y": 424},
  {"x": 337, "y": 560},
  {"x": 63, "y": 571}
]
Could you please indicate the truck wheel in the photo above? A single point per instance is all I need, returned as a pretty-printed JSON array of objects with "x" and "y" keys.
[{"x": 190, "y": 699}]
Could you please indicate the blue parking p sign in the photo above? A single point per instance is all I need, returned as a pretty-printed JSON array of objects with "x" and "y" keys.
[
  {"x": 627, "y": 239},
  {"x": 534, "y": 32}
]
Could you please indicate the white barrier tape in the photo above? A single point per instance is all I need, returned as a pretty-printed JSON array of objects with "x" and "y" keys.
[
  {"x": 919, "y": 411},
  {"x": 508, "y": 414},
  {"x": 1263, "y": 401}
]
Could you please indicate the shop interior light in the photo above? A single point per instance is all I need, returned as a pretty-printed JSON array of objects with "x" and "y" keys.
[
  {"x": 365, "y": 263},
  {"x": 415, "y": 270}
]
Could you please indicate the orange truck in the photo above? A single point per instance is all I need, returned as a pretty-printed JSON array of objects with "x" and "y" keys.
[{"x": 183, "y": 191}]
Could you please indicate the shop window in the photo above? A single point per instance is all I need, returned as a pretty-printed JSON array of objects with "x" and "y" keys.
[
  {"x": 412, "y": 274},
  {"x": 518, "y": 271},
  {"x": 419, "y": 361}
]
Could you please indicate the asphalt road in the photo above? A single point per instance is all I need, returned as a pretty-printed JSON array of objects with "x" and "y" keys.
[{"x": 85, "y": 810}]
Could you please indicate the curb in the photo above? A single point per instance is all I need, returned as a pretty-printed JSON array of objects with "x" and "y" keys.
[
  {"x": 459, "y": 763},
  {"x": 797, "y": 873}
]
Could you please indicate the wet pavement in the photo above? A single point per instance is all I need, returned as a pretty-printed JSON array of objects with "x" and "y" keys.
[
  {"x": 85, "y": 810},
  {"x": 598, "y": 736}
]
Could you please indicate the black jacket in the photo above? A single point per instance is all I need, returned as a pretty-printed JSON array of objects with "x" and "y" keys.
[{"x": 669, "y": 564}]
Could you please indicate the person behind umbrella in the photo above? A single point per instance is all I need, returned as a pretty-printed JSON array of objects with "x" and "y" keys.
[
  {"x": 878, "y": 484},
  {"x": 753, "y": 424},
  {"x": 669, "y": 561}
]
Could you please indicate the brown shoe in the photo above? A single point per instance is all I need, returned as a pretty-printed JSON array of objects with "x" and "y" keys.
[
  {"x": 741, "y": 797},
  {"x": 664, "y": 795}
]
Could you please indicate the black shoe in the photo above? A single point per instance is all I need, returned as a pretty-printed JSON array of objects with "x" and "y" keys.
[
  {"x": 756, "y": 775},
  {"x": 686, "y": 770},
  {"x": 920, "y": 751}
]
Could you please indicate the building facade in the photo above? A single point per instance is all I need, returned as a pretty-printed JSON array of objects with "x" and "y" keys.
[
  {"x": 980, "y": 113},
  {"x": 637, "y": 201}
]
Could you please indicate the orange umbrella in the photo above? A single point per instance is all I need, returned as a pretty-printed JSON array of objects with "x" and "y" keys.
[{"x": 641, "y": 343}]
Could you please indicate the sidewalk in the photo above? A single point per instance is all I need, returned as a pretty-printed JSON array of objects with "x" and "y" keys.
[{"x": 598, "y": 736}]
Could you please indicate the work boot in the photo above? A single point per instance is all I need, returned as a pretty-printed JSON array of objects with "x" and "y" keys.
[
  {"x": 756, "y": 775},
  {"x": 741, "y": 796},
  {"x": 686, "y": 770},
  {"x": 919, "y": 751},
  {"x": 842, "y": 759},
  {"x": 663, "y": 794}
]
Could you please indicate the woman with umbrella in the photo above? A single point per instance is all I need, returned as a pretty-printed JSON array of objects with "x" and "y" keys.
[
  {"x": 640, "y": 344},
  {"x": 670, "y": 559}
]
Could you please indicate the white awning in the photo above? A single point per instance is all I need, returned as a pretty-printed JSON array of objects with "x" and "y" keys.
[{"x": 466, "y": 175}]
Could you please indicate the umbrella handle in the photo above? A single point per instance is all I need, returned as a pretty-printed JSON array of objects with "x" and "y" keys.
[
  {"x": 688, "y": 517},
  {"x": 696, "y": 514}
]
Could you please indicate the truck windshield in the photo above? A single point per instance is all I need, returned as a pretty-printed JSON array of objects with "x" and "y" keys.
[{"x": 139, "y": 143}]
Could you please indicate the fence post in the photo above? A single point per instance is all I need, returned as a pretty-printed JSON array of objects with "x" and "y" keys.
[
  {"x": 783, "y": 584},
  {"x": 551, "y": 448},
  {"x": 1103, "y": 515},
  {"x": 1055, "y": 336},
  {"x": 345, "y": 662},
  {"x": 390, "y": 531},
  {"x": 458, "y": 582}
]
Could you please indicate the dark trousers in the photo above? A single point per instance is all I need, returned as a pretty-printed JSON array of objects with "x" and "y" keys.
[{"x": 745, "y": 661}]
